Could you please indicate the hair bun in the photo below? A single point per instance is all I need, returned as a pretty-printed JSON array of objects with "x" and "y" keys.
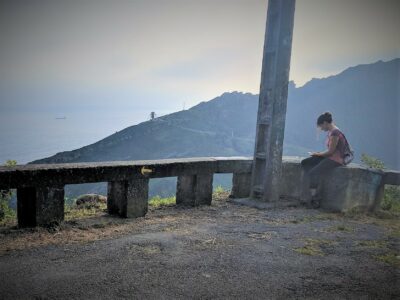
[{"x": 325, "y": 117}]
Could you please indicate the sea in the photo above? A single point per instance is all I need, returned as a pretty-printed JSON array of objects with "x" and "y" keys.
[{"x": 25, "y": 137}]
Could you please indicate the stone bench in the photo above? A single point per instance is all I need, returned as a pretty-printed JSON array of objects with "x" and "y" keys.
[
  {"x": 345, "y": 188},
  {"x": 40, "y": 188}
]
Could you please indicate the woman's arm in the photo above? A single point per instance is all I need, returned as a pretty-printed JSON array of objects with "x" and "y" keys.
[{"x": 332, "y": 147}]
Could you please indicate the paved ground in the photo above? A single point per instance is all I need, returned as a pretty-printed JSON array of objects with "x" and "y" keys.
[{"x": 223, "y": 251}]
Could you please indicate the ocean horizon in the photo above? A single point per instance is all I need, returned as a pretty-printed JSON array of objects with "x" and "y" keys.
[{"x": 25, "y": 137}]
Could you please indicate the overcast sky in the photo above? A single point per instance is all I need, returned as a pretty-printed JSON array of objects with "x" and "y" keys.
[{"x": 158, "y": 54}]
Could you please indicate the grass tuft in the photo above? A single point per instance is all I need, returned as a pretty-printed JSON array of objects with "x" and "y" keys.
[
  {"x": 390, "y": 258},
  {"x": 309, "y": 250},
  {"x": 157, "y": 201},
  {"x": 313, "y": 247},
  {"x": 342, "y": 228},
  {"x": 376, "y": 244},
  {"x": 72, "y": 212}
]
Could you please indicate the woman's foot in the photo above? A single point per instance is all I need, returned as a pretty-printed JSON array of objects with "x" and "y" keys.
[
  {"x": 315, "y": 201},
  {"x": 306, "y": 197}
]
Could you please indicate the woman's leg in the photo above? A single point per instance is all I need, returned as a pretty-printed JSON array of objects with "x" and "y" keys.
[
  {"x": 307, "y": 164},
  {"x": 314, "y": 167},
  {"x": 316, "y": 174},
  {"x": 321, "y": 169}
]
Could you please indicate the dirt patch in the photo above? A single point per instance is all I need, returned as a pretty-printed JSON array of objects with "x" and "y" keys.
[{"x": 220, "y": 251}]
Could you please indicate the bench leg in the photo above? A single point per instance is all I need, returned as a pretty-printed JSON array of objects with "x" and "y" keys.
[
  {"x": 128, "y": 198},
  {"x": 241, "y": 183},
  {"x": 40, "y": 206},
  {"x": 204, "y": 187},
  {"x": 185, "y": 190},
  {"x": 115, "y": 192},
  {"x": 194, "y": 190}
]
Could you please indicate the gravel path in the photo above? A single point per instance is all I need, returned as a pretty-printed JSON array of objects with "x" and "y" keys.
[{"x": 222, "y": 251}]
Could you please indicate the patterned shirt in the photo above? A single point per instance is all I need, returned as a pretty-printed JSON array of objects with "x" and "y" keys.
[{"x": 338, "y": 154}]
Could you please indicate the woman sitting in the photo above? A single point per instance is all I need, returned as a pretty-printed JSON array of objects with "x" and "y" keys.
[{"x": 320, "y": 163}]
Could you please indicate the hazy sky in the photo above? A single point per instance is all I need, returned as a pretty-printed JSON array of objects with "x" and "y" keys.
[{"x": 158, "y": 54}]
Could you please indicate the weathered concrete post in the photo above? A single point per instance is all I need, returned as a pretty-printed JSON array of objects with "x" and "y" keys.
[
  {"x": 241, "y": 183},
  {"x": 128, "y": 198},
  {"x": 39, "y": 206},
  {"x": 115, "y": 192},
  {"x": 267, "y": 165},
  {"x": 194, "y": 190}
]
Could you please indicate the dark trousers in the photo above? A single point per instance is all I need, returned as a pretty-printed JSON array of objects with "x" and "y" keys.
[{"x": 315, "y": 167}]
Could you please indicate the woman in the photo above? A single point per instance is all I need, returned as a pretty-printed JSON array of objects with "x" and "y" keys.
[{"x": 319, "y": 163}]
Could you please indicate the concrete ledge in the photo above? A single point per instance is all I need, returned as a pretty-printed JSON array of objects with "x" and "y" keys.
[
  {"x": 40, "y": 188},
  {"x": 392, "y": 177},
  {"x": 75, "y": 173},
  {"x": 345, "y": 188}
]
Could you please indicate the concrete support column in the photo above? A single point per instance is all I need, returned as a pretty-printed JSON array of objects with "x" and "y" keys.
[
  {"x": 194, "y": 190},
  {"x": 128, "y": 198},
  {"x": 115, "y": 192},
  {"x": 185, "y": 190},
  {"x": 267, "y": 166},
  {"x": 40, "y": 206},
  {"x": 241, "y": 184}
]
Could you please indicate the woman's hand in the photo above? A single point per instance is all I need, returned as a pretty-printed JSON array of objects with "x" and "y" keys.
[
  {"x": 316, "y": 154},
  {"x": 332, "y": 146}
]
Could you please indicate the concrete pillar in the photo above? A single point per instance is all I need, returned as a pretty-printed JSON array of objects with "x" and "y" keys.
[
  {"x": 115, "y": 192},
  {"x": 194, "y": 190},
  {"x": 271, "y": 115},
  {"x": 40, "y": 206},
  {"x": 204, "y": 189},
  {"x": 185, "y": 190},
  {"x": 128, "y": 198},
  {"x": 241, "y": 183}
]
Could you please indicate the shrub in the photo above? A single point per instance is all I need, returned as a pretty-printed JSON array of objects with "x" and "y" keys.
[
  {"x": 219, "y": 189},
  {"x": 157, "y": 201},
  {"x": 372, "y": 162},
  {"x": 391, "y": 197}
]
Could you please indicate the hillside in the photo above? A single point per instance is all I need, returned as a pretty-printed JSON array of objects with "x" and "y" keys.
[{"x": 364, "y": 101}]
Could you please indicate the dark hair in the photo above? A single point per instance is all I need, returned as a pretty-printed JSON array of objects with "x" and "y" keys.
[{"x": 325, "y": 117}]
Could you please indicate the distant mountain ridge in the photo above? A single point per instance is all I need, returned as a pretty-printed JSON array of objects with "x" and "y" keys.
[{"x": 364, "y": 101}]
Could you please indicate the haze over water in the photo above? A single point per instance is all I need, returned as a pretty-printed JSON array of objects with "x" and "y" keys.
[{"x": 39, "y": 134}]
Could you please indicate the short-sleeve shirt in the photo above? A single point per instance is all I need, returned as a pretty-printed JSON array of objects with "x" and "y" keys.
[{"x": 338, "y": 155}]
